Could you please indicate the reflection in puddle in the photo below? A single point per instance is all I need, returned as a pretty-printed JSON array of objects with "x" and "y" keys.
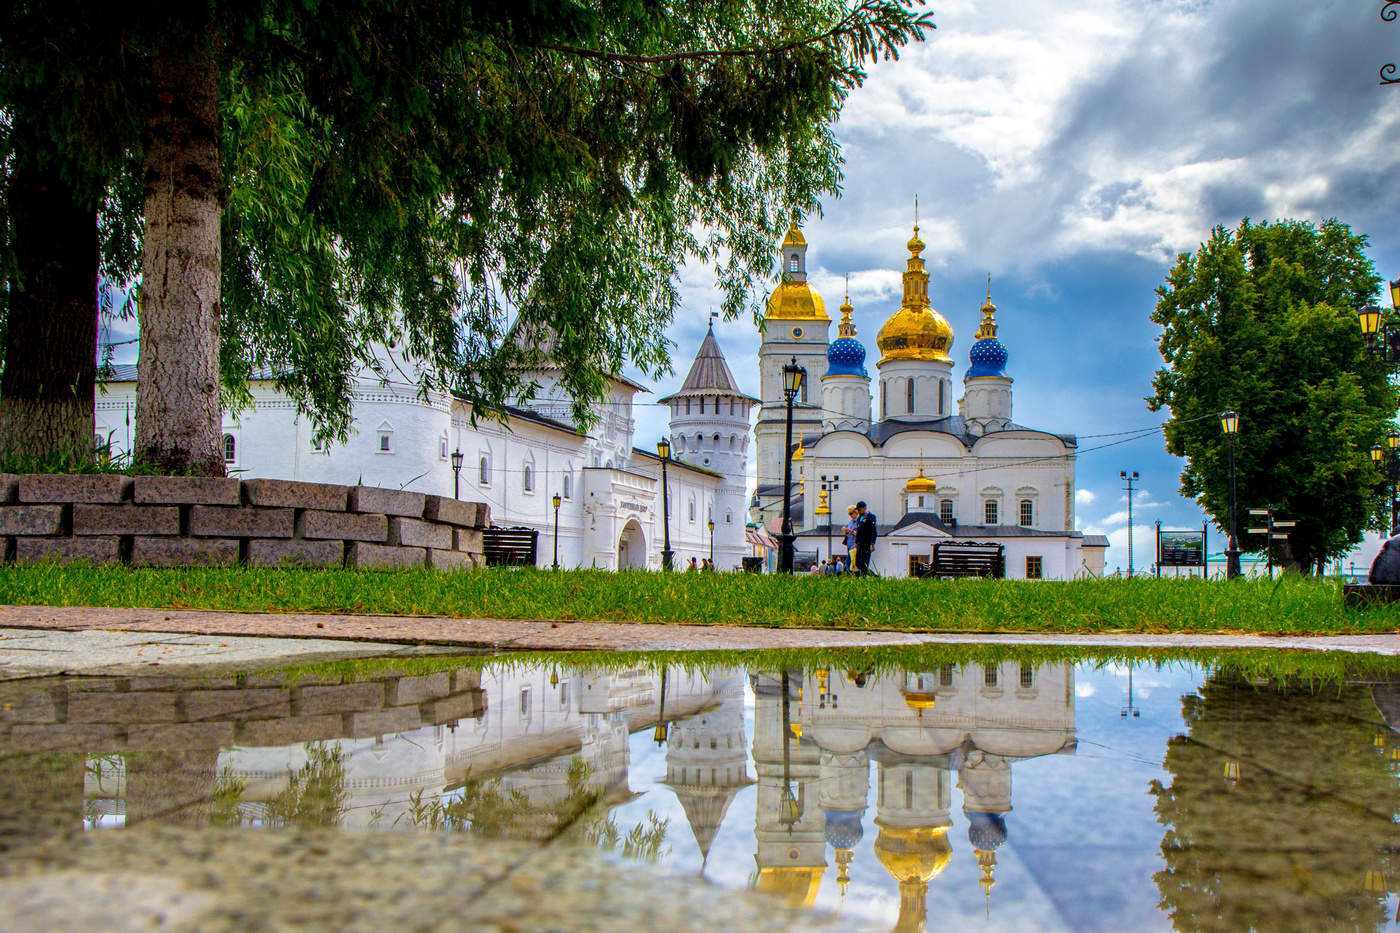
[{"x": 1221, "y": 803}]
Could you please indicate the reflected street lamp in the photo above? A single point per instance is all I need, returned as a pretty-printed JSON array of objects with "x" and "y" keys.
[
  {"x": 792, "y": 385},
  {"x": 1130, "y": 478},
  {"x": 663, "y": 450},
  {"x": 557, "y": 500},
  {"x": 1230, "y": 423},
  {"x": 457, "y": 473}
]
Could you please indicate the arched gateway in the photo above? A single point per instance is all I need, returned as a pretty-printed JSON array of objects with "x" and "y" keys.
[{"x": 631, "y": 547}]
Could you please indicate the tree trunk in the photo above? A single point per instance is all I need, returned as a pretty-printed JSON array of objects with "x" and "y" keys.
[
  {"x": 178, "y": 412},
  {"x": 46, "y": 393}
]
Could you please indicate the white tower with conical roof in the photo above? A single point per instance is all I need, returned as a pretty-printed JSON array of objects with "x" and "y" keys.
[{"x": 710, "y": 430}]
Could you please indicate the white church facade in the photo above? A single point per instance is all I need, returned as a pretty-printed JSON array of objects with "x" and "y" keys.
[
  {"x": 611, "y": 510},
  {"x": 934, "y": 467}
]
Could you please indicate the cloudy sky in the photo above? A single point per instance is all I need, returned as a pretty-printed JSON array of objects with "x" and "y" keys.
[{"x": 1072, "y": 150}]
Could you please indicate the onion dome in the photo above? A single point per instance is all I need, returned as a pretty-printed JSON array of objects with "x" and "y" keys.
[
  {"x": 846, "y": 355},
  {"x": 920, "y": 483},
  {"x": 988, "y": 356},
  {"x": 796, "y": 887},
  {"x": 918, "y": 853},
  {"x": 794, "y": 299},
  {"x": 843, "y": 828},
  {"x": 986, "y": 831},
  {"x": 915, "y": 331}
]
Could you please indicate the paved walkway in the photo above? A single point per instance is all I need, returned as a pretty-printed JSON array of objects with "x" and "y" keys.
[{"x": 501, "y": 635}]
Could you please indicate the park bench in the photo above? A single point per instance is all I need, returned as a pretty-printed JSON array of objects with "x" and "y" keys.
[
  {"x": 967, "y": 559},
  {"x": 509, "y": 547}
]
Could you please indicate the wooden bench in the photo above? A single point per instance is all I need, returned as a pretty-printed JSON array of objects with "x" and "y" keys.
[
  {"x": 967, "y": 559},
  {"x": 509, "y": 547}
]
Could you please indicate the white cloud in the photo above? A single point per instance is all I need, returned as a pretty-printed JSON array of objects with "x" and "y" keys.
[{"x": 1084, "y": 496}]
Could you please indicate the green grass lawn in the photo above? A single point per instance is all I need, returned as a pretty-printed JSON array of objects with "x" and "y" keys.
[{"x": 1291, "y": 605}]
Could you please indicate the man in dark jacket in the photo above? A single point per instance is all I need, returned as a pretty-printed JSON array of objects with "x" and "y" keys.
[{"x": 866, "y": 529}]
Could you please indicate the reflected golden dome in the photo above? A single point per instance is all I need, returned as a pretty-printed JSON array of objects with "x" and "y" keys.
[
  {"x": 920, "y": 701},
  {"x": 915, "y": 331},
  {"x": 797, "y": 887},
  {"x": 918, "y": 853},
  {"x": 796, "y": 301}
]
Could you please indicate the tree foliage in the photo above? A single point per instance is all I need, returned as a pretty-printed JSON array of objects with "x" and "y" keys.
[
  {"x": 1261, "y": 320},
  {"x": 455, "y": 180}
]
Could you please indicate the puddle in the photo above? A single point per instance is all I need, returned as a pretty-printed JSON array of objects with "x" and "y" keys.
[{"x": 1005, "y": 794}]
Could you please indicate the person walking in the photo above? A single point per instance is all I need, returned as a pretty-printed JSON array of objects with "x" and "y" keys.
[{"x": 866, "y": 531}]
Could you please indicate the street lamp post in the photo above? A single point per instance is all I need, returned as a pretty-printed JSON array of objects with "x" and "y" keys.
[
  {"x": 1230, "y": 423},
  {"x": 792, "y": 384},
  {"x": 1388, "y": 460},
  {"x": 1131, "y": 478},
  {"x": 829, "y": 487},
  {"x": 457, "y": 473},
  {"x": 557, "y": 500},
  {"x": 663, "y": 450},
  {"x": 711, "y": 524}
]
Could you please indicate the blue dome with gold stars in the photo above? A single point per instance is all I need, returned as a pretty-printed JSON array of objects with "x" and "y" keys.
[
  {"x": 846, "y": 355},
  {"x": 987, "y": 356}
]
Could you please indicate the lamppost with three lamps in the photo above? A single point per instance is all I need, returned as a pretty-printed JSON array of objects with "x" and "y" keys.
[
  {"x": 1383, "y": 342},
  {"x": 557, "y": 501},
  {"x": 663, "y": 450},
  {"x": 1230, "y": 423},
  {"x": 457, "y": 473},
  {"x": 792, "y": 385}
]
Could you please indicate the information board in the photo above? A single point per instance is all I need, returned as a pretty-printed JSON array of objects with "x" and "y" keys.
[{"x": 1182, "y": 548}]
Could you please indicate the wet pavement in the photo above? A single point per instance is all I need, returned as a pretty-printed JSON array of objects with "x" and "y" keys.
[
  {"x": 503, "y": 635},
  {"x": 509, "y": 793}
]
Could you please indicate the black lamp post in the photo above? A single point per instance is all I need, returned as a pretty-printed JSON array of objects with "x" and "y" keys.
[
  {"x": 1230, "y": 423},
  {"x": 792, "y": 384},
  {"x": 711, "y": 524},
  {"x": 1131, "y": 478},
  {"x": 663, "y": 450},
  {"x": 829, "y": 487},
  {"x": 1388, "y": 459},
  {"x": 457, "y": 473},
  {"x": 1382, "y": 337},
  {"x": 557, "y": 500}
]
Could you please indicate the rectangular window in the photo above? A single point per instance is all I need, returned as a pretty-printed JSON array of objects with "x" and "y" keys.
[
  {"x": 1027, "y": 513},
  {"x": 989, "y": 512},
  {"x": 384, "y": 443},
  {"x": 1033, "y": 568},
  {"x": 525, "y": 703},
  {"x": 442, "y": 447},
  {"x": 1027, "y": 676},
  {"x": 564, "y": 695},
  {"x": 702, "y": 404},
  {"x": 945, "y": 676},
  {"x": 945, "y": 510},
  {"x": 989, "y": 675}
]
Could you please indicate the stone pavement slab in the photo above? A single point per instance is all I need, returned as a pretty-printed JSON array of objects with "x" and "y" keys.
[
  {"x": 518, "y": 635},
  {"x": 28, "y": 653}
]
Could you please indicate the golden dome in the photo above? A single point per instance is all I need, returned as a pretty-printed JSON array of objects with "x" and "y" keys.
[
  {"x": 918, "y": 853},
  {"x": 915, "y": 331},
  {"x": 920, "y": 483},
  {"x": 794, "y": 236},
  {"x": 796, "y": 301},
  {"x": 920, "y": 701},
  {"x": 797, "y": 887}
]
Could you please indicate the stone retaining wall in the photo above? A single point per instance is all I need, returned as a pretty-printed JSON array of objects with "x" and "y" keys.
[{"x": 181, "y": 521}]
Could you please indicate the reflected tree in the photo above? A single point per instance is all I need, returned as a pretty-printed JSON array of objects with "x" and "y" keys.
[
  {"x": 315, "y": 793},
  {"x": 1280, "y": 814}
]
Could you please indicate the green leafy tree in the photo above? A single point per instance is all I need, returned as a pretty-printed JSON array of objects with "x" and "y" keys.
[
  {"x": 478, "y": 186},
  {"x": 1262, "y": 320}
]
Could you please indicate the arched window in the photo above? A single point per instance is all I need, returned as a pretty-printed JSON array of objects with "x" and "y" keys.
[
  {"x": 484, "y": 471},
  {"x": 528, "y": 475},
  {"x": 989, "y": 512},
  {"x": 909, "y": 395},
  {"x": 884, "y": 406},
  {"x": 716, "y": 442},
  {"x": 731, "y": 406},
  {"x": 733, "y": 441},
  {"x": 229, "y": 448},
  {"x": 942, "y": 395},
  {"x": 702, "y": 404},
  {"x": 1027, "y": 513},
  {"x": 692, "y": 511},
  {"x": 804, "y": 385},
  {"x": 442, "y": 447},
  {"x": 792, "y": 263},
  {"x": 687, "y": 406},
  {"x": 729, "y": 518},
  {"x": 568, "y": 485},
  {"x": 945, "y": 510}
]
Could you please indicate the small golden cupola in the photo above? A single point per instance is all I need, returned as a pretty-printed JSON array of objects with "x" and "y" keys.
[
  {"x": 794, "y": 299},
  {"x": 916, "y": 331}
]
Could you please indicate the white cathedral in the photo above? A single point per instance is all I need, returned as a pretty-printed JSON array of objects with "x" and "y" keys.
[{"x": 931, "y": 467}]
